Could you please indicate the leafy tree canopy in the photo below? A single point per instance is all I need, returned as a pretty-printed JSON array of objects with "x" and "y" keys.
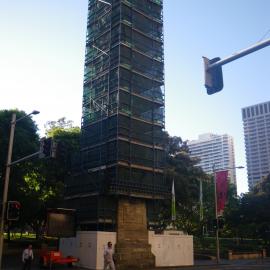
[
  {"x": 26, "y": 142},
  {"x": 181, "y": 168},
  {"x": 45, "y": 185},
  {"x": 37, "y": 183},
  {"x": 249, "y": 216},
  {"x": 26, "y": 139}
]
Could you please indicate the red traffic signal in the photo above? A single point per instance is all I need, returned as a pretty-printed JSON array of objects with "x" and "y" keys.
[{"x": 13, "y": 210}]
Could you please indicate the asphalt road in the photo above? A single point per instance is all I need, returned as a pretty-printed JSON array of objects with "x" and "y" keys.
[
  {"x": 226, "y": 267},
  {"x": 13, "y": 262}
]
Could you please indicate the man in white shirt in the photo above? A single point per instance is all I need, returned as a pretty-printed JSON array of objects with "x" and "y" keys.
[
  {"x": 27, "y": 258},
  {"x": 108, "y": 257}
]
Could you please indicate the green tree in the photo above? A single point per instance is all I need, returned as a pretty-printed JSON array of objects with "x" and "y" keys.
[
  {"x": 181, "y": 168},
  {"x": 68, "y": 140},
  {"x": 46, "y": 184},
  {"x": 233, "y": 227},
  {"x": 37, "y": 183},
  {"x": 26, "y": 142},
  {"x": 248, "y": 215}
]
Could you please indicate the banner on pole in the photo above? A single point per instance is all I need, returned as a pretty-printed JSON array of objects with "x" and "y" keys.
[{"x": 221, "y": 189}]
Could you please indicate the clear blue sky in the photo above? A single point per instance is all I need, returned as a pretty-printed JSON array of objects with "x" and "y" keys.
[{"x": 42, "y": 57}]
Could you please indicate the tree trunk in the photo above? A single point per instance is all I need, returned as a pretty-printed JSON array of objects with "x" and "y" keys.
[{"x": 37, "y": 230}]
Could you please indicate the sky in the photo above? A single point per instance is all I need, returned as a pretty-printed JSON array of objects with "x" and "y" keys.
[{"x": 42, "y": 58}]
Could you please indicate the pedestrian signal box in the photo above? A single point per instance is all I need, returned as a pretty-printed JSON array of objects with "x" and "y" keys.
[{"x": 13, "y": 210}]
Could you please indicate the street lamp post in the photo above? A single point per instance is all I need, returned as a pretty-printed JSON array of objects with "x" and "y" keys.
[
  {"x": 216, "y": 210},
  {"x": 7, "y": 175}
]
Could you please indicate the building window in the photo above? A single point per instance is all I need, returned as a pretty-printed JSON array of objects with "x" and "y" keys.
[
  {"x": 252, "y": 111},
  {"x": 261, "y": 108},
  {"x": 265, "y": 108},
  {"x": 248, "y": 112},
  {"x": 257, "y": 110}
]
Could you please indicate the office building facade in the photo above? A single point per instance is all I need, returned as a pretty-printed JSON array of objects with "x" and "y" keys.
[
  {"x": 214, "y": 150},
  {"x": 256, "y": 121}
]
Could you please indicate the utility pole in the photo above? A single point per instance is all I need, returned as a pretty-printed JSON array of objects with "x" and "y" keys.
[
  {"x": 213, "y": 71},
  {"x": 6, "y": 184},
  {"x": 7, "y": 176}
]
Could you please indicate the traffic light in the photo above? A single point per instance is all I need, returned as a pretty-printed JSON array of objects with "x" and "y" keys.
[
  {"x": 213, "y": 76},
  {"x": 47, "y": 148},
  {"x": 13, "y": 210},
  {"x": 221, "y": 223},
  {"x": 218, "y": 223}
]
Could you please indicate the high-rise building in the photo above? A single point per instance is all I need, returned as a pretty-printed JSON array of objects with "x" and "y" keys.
[
  {"x": 214, "y": 150},
  {"x": 122, "y": 153},
  {"x": 256, "y": 120}
]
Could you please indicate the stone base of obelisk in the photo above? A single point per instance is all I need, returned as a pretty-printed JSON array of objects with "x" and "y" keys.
[{"x": 132, "y": 249}]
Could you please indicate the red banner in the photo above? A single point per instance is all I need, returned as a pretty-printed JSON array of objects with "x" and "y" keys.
[{"x": 221, "y": 188}]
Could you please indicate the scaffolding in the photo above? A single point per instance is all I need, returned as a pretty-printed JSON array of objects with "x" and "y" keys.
[{"x": 122, "y": 150}]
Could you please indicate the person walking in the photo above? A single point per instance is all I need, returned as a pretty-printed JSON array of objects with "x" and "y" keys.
[
  {"x": 108, "y": 257},
  {"x": 27, "y": 258}
]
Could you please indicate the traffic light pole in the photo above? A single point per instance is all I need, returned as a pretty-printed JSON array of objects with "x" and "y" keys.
[
  {"x": 240, "y": 54},
  {"x": 7, "y": 176},
  {"x": 213, "y": 67},
  {"x": 24, "y": 158},
  {"x": 6, "y": 184}
]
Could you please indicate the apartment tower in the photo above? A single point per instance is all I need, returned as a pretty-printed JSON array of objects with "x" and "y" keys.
[
  {"x": 214, "y": 150},
  {"x": 256, "y": 121}
]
